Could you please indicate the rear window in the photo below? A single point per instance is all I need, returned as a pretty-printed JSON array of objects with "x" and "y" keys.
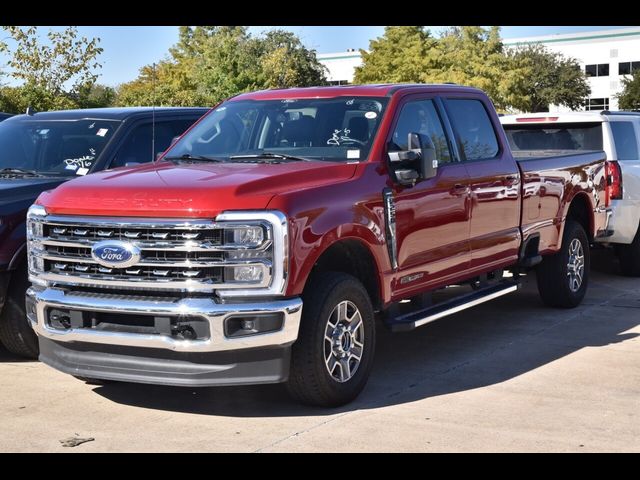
[
  {"x": 625, "y": 139},
  {"x": 477, "y": 138},
  {"x": 563, "y": 136}
]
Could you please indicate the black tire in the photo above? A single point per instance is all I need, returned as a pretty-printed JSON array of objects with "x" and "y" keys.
[
  {"x": 15, "y": 332},
  {"x": 629, "y": 256},
  {"x": 553, "y": 273},
  {"x": 309, "y": 379}
]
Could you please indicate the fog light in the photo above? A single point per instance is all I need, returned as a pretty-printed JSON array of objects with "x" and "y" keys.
[
  {"x": 242, "y": 326},
  {"x": 244, "y": 273},
  {"x": 248, "y": 324}
]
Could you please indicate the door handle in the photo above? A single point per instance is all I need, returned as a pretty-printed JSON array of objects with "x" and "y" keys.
[
  {"x": 459, "y": 189},
  {"x": 510, "y": 180}
]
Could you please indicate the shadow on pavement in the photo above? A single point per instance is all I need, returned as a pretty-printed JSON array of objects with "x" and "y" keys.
[{"x": 489, "y": 344}]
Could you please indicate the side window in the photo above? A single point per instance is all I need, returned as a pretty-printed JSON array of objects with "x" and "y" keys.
[
  {"x": 476, "y": 136},
  {"x": 625, "y": 140},
  {"x": 421, "y": 117},
  {"x": 138, "y": 144}
]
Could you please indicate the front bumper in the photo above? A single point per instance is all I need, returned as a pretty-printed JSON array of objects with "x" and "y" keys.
[{"x": 161, "y": 359}]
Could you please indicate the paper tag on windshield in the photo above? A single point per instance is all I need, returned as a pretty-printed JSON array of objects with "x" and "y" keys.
[
  {"x": 82, "y": 171},
  {"x": 353, "y": 153},
  {"x": 102, "y": 132}
]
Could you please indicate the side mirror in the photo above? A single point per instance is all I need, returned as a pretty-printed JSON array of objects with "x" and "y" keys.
[{"x": 417, "y": 162}]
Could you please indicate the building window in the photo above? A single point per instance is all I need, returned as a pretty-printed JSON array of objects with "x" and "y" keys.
[
  {"x": 627, "y": 68},
  {"x": 597, "y": 104},
  {"x": 599, "y": 70},
  {"x": 338, "y": 82}
]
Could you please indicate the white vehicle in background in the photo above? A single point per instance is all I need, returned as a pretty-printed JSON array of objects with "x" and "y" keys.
[{"x": 616, "y": 133}]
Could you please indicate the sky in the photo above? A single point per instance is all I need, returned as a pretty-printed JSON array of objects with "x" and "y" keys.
[{"x": 128, "y": 48}]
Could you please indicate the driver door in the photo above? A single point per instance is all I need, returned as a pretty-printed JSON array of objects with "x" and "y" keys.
[{"x": 432, "y": 217}]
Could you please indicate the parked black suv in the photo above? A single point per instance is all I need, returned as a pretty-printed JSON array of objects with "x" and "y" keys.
[{"x": 40, "y": 151}]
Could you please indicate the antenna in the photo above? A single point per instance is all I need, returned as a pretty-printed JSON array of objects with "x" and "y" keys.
[{"x": 153, "y": 117}]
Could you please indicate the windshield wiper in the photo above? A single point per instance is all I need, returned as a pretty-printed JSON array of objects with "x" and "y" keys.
[
  {"x": 276, "y": 156},
  {"x": 19, "y": 171},
  {"x": 202, "y": 158}
]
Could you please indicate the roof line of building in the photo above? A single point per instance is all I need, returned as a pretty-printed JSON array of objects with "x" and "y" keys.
[{"x": 569, "y": 39}]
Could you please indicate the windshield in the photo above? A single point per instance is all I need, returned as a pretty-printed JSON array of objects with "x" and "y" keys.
[
  {"x": 53, "y": 147},
  {"x": 562, "y": 136},
  {"x": 333, "y": 129}
]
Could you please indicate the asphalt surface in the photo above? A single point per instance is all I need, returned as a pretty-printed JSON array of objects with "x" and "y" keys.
[{"x": 509, "y": 375}]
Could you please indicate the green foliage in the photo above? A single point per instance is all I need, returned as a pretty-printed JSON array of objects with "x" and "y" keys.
[
  {"x": 629, "y": 98},
  {"x": 54, "y": 75},
  {"x": 549, "y": 78},
  {"x": 210, "y": 63},
  {"x": 475, "y": 56}
]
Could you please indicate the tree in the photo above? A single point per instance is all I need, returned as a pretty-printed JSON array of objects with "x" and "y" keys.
[
  {"x": 403, "y": 54},
  {"x": 464, "y": 55},
  {"x": 53, "y": 74},
  {"x": 549, "y": 78},
  {"x": 210, "y": 63},
  {"x": 629, "y": 98}
]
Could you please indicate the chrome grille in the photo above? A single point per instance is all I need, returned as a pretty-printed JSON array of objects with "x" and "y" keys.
[{"x": 175, "y": 255}]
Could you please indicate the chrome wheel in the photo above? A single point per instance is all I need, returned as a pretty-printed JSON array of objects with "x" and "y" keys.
[
  {"x": 343, "y": 341},
  {"x": 575, "y": 265}
]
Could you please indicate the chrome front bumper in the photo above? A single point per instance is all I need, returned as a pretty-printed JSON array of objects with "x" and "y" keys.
[{"x": 39, "y": 300}]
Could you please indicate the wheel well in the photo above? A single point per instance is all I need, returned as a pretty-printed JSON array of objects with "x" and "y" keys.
[
  {"x": 579, "y": 210},
  {"x": 353, "y": 258}
]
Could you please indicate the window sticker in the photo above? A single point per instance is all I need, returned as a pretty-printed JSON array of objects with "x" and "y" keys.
[
  {"x": 78, "y": 163},
  {"x": 370, "y": 115},
  {"x": 353, "y": 153},
  {"x": 102, "y": 132},
  {"x": 82, "y": 171}
]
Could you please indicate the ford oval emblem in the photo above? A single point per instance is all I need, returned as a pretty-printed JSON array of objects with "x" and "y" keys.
[{"x": 115, "y": 254}]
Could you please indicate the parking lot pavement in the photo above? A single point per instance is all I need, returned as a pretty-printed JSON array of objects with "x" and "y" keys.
[{"x": 509, "y": 375}]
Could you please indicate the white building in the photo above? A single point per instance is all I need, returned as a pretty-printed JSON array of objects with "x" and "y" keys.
[{"x": 604, "y": 55}]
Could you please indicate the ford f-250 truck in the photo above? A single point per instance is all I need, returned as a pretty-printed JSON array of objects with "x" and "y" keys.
[
  {"x": 38, "y": 152},
  {"x": 261, "y": 247}
]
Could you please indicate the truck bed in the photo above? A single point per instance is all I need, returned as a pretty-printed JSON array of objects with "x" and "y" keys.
[{"x": 551, "y": 182}]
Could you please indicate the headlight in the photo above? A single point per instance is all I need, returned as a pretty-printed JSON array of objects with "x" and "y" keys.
[
  {"x": 245, "y": 236},
  {"x": 35, "y": 216},
  {"x": 256, "y": 249}
]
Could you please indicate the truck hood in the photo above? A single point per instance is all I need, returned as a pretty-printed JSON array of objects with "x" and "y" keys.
[{"x": 197, "y": 190}]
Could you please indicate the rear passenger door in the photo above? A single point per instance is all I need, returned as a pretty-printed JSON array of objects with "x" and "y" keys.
[
  {"x": 138, "y": 145},
  {"x": 494, "y": 179}
]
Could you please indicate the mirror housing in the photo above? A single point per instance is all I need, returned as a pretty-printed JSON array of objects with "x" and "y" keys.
[{"x": 417, "y": 162}]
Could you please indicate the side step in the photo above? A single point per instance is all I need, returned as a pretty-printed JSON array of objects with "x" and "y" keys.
[{"x": 409, "y": 321}]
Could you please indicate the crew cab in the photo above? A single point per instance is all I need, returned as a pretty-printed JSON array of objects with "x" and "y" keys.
[
  {"x": 618, "y": 134},
  {"x": 40, "y": 151},
  {"x": 263, "y": 244}
]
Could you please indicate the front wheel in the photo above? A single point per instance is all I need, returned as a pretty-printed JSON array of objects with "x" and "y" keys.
[
  {"x": 563, "y": 278},
  {"x": 15, "y": 332},
  {"x": 333, "y": 356}
]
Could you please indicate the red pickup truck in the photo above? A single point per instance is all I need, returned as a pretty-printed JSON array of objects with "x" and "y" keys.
[{"x": 264, "y": 244}]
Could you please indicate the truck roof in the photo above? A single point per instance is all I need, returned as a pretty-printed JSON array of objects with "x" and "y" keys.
[
  {"x": 372, "y": 90},
  {"x": 114, "y": 113},
  {"x": 569, "y": 117}
]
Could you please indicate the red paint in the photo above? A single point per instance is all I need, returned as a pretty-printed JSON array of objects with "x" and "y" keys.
[{"x": 445, "y": 233}]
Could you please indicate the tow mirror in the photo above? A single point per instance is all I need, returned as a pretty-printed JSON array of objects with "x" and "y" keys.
[{"x": 417, "y": 162}]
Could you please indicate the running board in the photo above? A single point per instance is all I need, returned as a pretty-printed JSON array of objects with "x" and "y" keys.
[{"x": 412, "y": 320}]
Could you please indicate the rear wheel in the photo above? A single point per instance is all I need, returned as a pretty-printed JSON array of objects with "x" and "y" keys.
[
  {"x": 15, "y": 332},
  {"x": 629, "y": 256},
  {"x": 563, "y": 278},
  {"x": 333, "y": 356}
]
